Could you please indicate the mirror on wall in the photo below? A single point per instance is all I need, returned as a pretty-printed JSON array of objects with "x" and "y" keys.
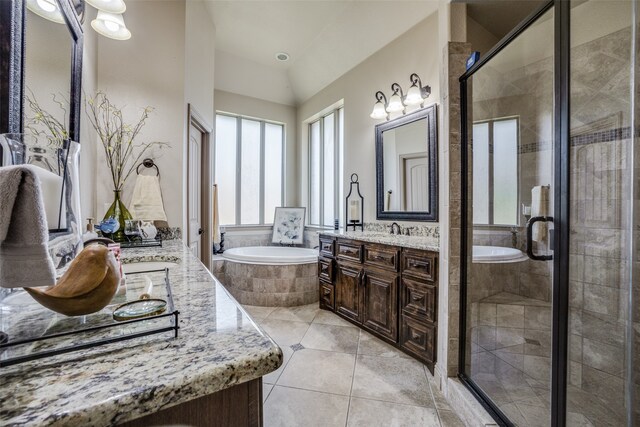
[
  {"x": 407, "y": 171},
  {"x": 48, "y": 47}
]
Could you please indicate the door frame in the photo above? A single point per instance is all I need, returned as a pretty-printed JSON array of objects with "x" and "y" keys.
[
  {"x": 194, "y": 118},
  {"x": 560, "y": 286}
]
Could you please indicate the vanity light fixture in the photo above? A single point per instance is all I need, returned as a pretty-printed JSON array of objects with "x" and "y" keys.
[
  {"x": 111, "y": 25},
  {"x": 416, "y": 93},
  {"x": 111, "y": 6},
  {"x": 379, "y": 111},
  {"x": 395, "y": 102},
  {"x": 48, "y": 9}
]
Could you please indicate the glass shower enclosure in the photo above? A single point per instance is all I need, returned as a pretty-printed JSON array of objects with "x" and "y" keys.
[{"x": 549, "y": 312}]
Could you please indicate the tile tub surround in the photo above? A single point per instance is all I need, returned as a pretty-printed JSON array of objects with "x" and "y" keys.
[
  {"x": 414, "y": 242},
  {"x": 272, "y": 285},
  {"x": 111, "y": 384}
]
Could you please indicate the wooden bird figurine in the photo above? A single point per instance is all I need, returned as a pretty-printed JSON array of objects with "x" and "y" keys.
[{"x": 86, "y": 287}]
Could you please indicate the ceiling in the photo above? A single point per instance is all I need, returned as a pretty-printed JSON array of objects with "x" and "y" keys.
[
  {"x": 324, "y": 39},
  {"x": 500, "y": 16}
]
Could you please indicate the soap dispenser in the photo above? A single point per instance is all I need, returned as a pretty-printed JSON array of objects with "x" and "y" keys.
[{"x": 90, "y": 233}]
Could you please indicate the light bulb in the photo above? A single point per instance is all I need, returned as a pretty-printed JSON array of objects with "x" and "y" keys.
[
  {"x": 111, "y": 26},
  {"x": 414, "y": 96},
  {"x": 378, "y": 111},
  {"x": 46, "y": 5},
  {"x": 395, "y": 104}
]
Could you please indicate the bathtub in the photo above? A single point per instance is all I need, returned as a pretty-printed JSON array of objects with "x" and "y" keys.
[
  {"x": 271, "y": 255},
  {"x": 271, "y": 276}
]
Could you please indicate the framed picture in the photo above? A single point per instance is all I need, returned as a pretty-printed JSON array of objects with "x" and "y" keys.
[{"x": 288, "y": 226}]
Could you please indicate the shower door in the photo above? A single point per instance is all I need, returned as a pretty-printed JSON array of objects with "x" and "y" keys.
[{"x": 547, "y": 332}]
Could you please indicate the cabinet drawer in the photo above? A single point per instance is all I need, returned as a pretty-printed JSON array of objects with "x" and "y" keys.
[
  {"x": 325, "y": 269},
  {"x": 349, "y": 251},
  {"x": 418, "y": 299},
  {"x": 327, "y": 296},
  {"x": 419, "y": 264},
  {"x": 327, "y": 247},
  {"x": 418, "y": 338},
  {"x": 381, "y": 257}
]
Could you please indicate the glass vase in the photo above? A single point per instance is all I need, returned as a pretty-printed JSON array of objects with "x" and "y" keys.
[{"x": 119, "y": 211}]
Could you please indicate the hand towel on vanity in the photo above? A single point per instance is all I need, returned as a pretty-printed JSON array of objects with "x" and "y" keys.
[
  {"x": 24, "y": 252},
  {"x": 539, "y": 207},
  {"x": 146, "y": 201},
  {"x": 216, "y": 216}
]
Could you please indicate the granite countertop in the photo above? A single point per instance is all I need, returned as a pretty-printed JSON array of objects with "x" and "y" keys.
[
  {"x": 218, "y": 346},
  {"x": 414, "y": 242}
]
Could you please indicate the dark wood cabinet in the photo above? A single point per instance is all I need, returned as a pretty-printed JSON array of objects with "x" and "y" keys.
[
  {"x": 388, "y": 290},
  {"x": 380, "y": 303},
  {"x": 348, "y": 285}
]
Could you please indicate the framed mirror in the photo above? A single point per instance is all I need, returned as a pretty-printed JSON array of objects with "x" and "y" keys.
[
  {"x": 41, "y": 53},
  {"x": 407, "y": 167}
]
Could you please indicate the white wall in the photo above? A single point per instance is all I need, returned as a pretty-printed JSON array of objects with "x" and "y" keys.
[
  {"x": 258, "y": 108},
  {"x": 167, "y": 63},
  {"x": 88, "y": 138},
  {"x": 416, "y": 51}
]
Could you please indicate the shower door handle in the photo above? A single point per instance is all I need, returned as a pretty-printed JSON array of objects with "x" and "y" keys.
[{"x": 530, "y": 223}]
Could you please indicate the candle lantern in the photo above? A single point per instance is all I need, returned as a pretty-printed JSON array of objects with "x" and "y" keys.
[{"x": 354, "y": 205}]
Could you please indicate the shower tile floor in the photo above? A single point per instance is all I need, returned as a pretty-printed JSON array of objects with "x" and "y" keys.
[
  {"x": 335, "y": 374},
  {"x": 510, "y": 361}
]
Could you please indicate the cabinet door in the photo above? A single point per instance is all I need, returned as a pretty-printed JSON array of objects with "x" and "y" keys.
[
  {"x": 348, "y": 282},
  {"x": 380, "y": 303}
]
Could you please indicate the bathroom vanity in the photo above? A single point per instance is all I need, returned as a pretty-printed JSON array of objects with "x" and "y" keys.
[
  {"x": 211, "y": 374},
  {"x": 385, "y": 285}
]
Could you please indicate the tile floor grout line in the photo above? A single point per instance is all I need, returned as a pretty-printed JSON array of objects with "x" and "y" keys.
[
  {"x": 353, "y": 377},
  {"x": 433, "y": 397},
  {"x": 308, "y": 389}
]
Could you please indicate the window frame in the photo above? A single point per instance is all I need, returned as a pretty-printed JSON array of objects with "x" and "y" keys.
[
  {"x": 238, "y": 177},
  {"x": 337, "y": 161},
  {"x": 490, "y": 122}
]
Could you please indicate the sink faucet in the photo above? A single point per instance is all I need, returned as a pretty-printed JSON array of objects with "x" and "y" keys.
[{"x": 394, "y": 227}]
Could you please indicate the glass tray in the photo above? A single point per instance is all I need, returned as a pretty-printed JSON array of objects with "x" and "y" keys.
[{"x": 35, "y": 332}]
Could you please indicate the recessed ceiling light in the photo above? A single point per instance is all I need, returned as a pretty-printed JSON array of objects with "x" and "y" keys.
[{"x": 282, "y": 56}]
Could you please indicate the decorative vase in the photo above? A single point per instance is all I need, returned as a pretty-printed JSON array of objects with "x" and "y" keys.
[{"x": 120, "y": 212}]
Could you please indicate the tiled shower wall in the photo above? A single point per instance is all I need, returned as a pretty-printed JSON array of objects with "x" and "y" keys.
[{"x": 601, "y": 169}]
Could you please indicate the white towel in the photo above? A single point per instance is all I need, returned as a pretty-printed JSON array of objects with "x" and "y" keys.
[
  {"x": 216, "y": 216},
  {"x": 539, "y": 207},
  {"x": 146, "y": 201},
  {"x": 24, "y": 251}
]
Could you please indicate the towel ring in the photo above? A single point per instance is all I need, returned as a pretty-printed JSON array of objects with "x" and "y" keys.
[{"x": 148, "y": 163}]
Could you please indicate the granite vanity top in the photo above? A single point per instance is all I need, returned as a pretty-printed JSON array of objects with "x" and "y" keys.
[
  {"x": 218, "y": 346},
  {"x": 414, "y": 242}
]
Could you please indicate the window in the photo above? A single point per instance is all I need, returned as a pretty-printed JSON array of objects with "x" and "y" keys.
[
  {"x": 495, "y": 172},
  {"x": 248, "y": 169},
  {"x": 325, "y": 171}
]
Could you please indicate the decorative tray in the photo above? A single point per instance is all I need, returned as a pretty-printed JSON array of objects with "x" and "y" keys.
[{"x": 35, "y": 332}]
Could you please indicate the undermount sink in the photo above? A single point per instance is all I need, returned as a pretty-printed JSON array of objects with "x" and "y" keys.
[
  {"x": 496, "y": 254},
  {"x": 139, "y": 267}
]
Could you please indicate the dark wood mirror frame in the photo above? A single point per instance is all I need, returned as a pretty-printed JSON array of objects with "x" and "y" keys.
[
  {"x": 12, "y": 36},
  {"x": 430, "y": 115}
]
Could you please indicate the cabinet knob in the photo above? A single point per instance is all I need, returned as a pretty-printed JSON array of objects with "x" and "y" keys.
[{"x": 416, "y": 298}]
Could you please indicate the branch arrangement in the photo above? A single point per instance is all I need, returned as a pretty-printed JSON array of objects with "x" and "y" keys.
[
  {"x": 118, "y": 137},
  {"x": 43, "y": 123}
]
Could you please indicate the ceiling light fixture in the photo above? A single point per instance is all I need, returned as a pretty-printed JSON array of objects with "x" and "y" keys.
[
  {"x": 47, "y": 9},
  {"x": 282, "y": 56},
  {"x": 111, "y": 6},
  {"x": 416, "y": 95},
  {"x": 379, "y": 111},
  {"x": 111, "y": 25},
  {"x": 395, "y": 102}
]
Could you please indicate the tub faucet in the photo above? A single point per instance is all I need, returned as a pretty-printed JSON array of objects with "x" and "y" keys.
[{"x": 394, "y": 227}]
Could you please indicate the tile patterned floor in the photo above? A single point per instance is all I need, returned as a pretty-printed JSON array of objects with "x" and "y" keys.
[{"x": 335, "y": 374}]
